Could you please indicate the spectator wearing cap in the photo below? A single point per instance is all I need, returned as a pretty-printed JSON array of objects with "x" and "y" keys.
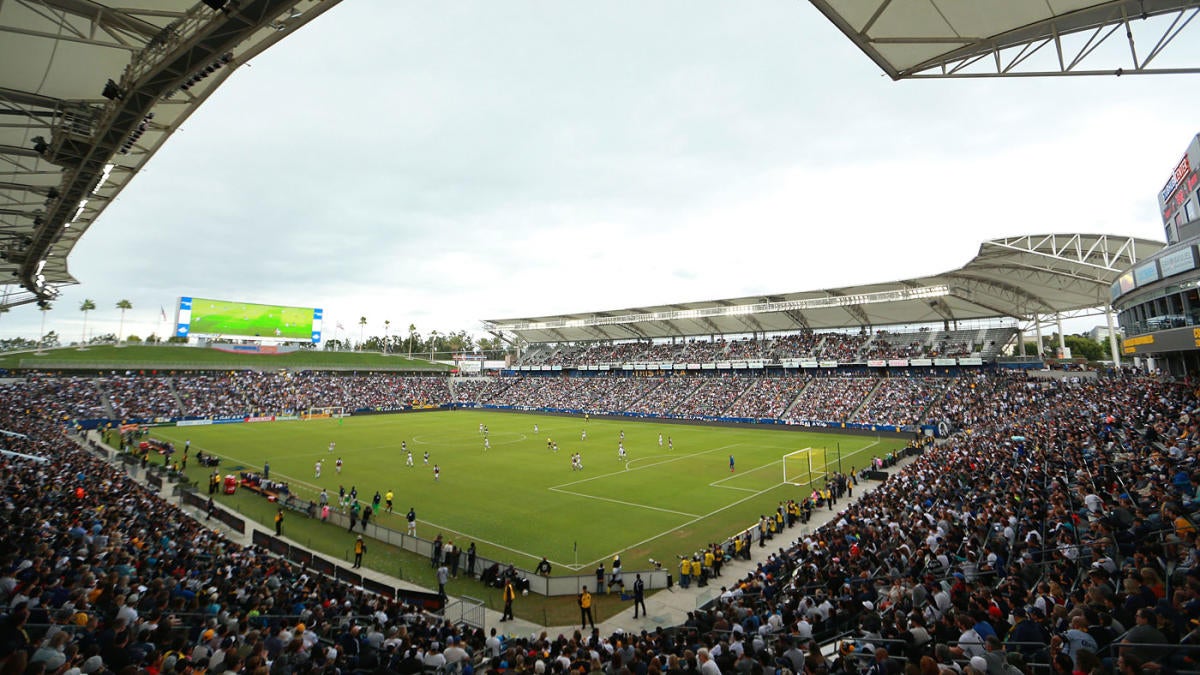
[
  {"x": 454, "y": 652},
  {"x": 1027, "y": 634}
]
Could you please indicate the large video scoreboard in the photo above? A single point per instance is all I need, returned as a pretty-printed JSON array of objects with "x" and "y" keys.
[
  {"x": 1179, "y": 200},
  {"x": 203, "y": 317}
]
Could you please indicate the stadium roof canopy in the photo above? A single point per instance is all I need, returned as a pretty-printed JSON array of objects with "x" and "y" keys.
[
  {"x": 89, "y": 91},
  {"x": 1011, "y": 277},
  {"x": 1006, "y": 38}
]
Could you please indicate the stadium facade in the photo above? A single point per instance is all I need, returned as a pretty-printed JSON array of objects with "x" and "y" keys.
[
  {"x": 1158, "y": 299},
  {"x": 1014, "y": 288}
]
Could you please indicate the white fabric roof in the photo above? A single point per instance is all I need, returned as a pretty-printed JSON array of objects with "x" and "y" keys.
[
  {"x": 914, "y": 38},
  {"x": 1011, "y": 277},
  {"x": 55, "y": 58}
]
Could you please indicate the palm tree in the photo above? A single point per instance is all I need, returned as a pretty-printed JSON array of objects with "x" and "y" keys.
[
  {"x": 44, "y": 307},
  {"x": 387, "y": 326},
  {"x": 433, "y": 337},
  {"x": 86, "y": 306},
  {"x": 362, "y": 324},
  {"x": 412, "y": 337},
  {"x": 122, "y": 305}
]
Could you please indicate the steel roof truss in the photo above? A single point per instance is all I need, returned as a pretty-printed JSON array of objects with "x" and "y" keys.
[{"x": 955, "y": 65}]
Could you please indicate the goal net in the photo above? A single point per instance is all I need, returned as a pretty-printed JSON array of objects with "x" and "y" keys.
[
  {"x": 322, "y": 413},
  {"x": 806, "y": 468}
]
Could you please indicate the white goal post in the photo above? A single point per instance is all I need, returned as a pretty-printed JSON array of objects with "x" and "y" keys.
[
  {"x": 321, "y": 413},
  {"x": 805, "y": 468}
]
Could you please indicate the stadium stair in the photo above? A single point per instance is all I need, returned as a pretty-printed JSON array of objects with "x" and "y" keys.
[
  {"x": 106, "y": 402},
  {"x": 866, "y": 400},
  {"x": 175, "y": 395},
  {"x": 785, "y": 414}
]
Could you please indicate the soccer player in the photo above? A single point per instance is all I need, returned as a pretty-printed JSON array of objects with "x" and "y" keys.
[
  {"x": 481, "y": 427},
  {"x": 426, "y": 458},
  {"x": 331, "y": 444},
  {"x": 486, "y": 444},
  {"x": 317, "y": 469},
  {"x": 731, "y": 464},
  {"x": 411, "y": 517},
  {"x": 660, "y": 440},
  {"x": 535, "y": 428},
  {"x": 620, "y": 451},
  {"x": 409, "y": 461},
  {"x": 403, "y": 446},
  {"x": 549, "y": 443},
  {"x": 583, "y": 435},
  {"x": 437, "y": 472},
  {"x": 622, "y": 434},
  {"x": 670, "y": 443},
  {"x": 556, "y": 447},
  {"x": 338, "y": 464},
  {"x": 388, "y": 498}
]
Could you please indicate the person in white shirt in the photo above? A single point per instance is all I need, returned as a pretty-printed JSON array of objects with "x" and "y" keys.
[{"x": 707, "y": 665}]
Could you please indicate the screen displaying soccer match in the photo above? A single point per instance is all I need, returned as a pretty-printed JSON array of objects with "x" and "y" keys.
[{"x": 204, "y": 317}]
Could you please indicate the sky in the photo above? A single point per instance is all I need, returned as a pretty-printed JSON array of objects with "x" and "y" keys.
[{"x": 439, "y": 164}]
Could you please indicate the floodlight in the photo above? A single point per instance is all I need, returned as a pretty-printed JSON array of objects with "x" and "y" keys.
[{"x": 40, "y": 145}]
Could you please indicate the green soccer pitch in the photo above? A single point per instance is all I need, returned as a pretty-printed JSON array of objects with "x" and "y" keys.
[{"x": 520, "y": 501}]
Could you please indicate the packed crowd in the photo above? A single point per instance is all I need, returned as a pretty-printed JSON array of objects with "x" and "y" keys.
[
  {"x": 713, "y": 398},
  {"x": 1055, "y": 530},
  {"x": 831, "y": 398},
  {"x": 902, "y": 400},
  {"x": 133, "y": 396},
  {"x": 99, "y": 576},
  {"x": 843, "y": 347},
  {"x": 795, "y": 398},
  {"x": 1057, "y": 533}
]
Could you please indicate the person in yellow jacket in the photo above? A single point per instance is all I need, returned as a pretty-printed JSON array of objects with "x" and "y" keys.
[
  {"x": 510, "y": 594},
  {"x": 685, "y": 572},
  {"x": 585, "y": 608},
  {"x": 360, "y": 547}
]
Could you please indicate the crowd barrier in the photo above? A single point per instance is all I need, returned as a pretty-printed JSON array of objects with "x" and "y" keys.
[
  {"x": 430, "y": 602},
  {"x": 552, "y": 585},
  {"x": 233, "y": 522}
]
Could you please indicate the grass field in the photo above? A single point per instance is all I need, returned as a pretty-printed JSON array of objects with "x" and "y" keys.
[{"x": 518, "y": 500}]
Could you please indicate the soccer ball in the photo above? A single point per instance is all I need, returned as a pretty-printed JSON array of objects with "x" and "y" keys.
[{"x": 525, "y": 592}]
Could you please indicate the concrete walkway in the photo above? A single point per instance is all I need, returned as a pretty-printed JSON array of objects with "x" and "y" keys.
[{"x": 665, "y": 608}]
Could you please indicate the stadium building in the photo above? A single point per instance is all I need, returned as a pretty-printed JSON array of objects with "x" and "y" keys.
[
  {"x": 1158, "y": 299},
  {"x": 1015, "y": 288}
]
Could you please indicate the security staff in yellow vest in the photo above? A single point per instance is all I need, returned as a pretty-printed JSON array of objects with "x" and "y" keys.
[{"x": 585, "y": 608}]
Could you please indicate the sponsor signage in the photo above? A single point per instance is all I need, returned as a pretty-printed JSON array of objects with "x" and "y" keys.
[{"x": 1180, "y": 261}]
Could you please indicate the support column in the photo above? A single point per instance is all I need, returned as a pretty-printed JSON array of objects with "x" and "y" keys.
[
  {"x": 1037, "y": 326},
  {"x": 1020, "y": 351},
  {"x": 1062, "y": 343},
  {"x": 1112, "y": 337}
]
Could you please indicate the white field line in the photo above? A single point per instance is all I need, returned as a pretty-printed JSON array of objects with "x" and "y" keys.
[
  {"x": 317, "y": 490},
  {"x": 718, "y": 483}
]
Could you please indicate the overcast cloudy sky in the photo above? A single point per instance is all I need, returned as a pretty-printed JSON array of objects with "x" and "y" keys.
[{"x": 443, "y": 163}]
